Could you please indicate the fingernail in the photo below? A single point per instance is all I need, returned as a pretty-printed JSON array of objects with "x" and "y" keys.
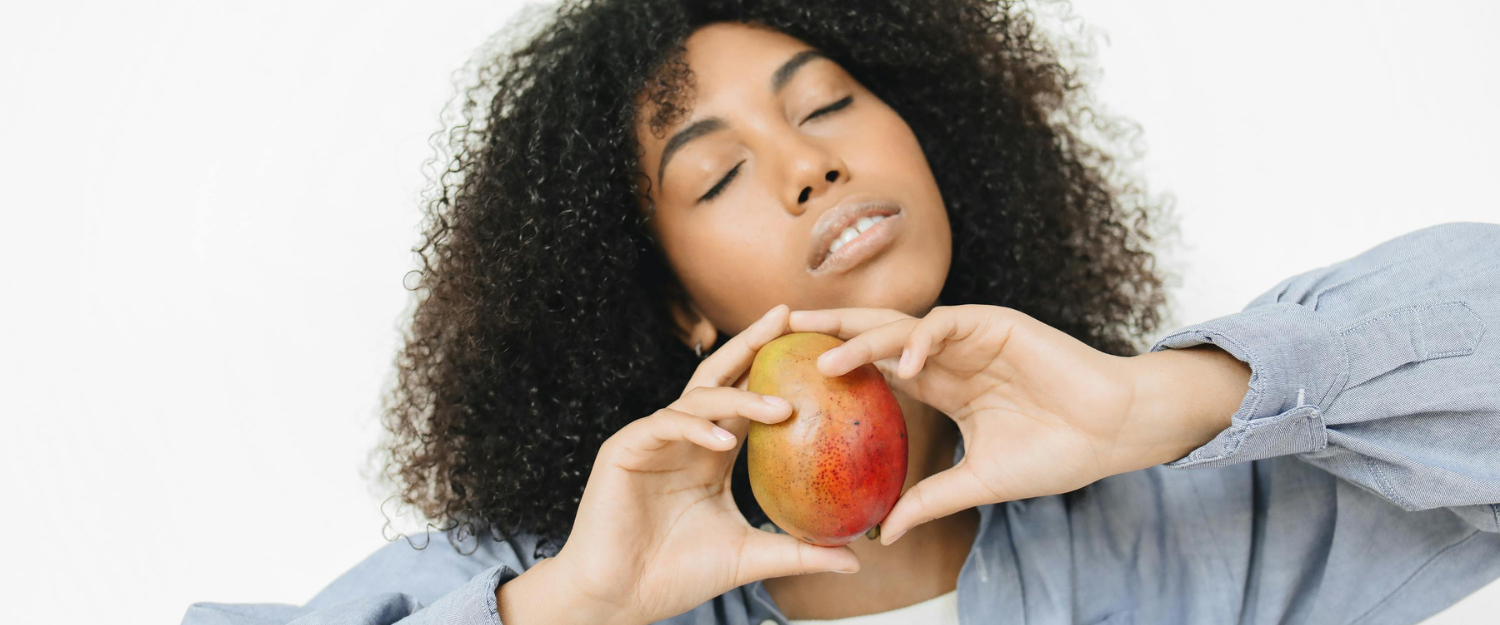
[
  {"x": 768, "y": 313},
  {"x": 826, "y": 358},
  {"x": 845, "y": 572},
  {"x": 905, "y": 356},
  {"x": 775, "y": 401},
  {"x": 893, "y": 538},
  {"x": 722, "y": 434}
]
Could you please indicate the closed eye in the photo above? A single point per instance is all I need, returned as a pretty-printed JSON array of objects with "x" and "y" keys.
[
  {"x": 832, "y": 107},
  {"x": 722, "y": 183},
  {"x": 718, "y": 188}
]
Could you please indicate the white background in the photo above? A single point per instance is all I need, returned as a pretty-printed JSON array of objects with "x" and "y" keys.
[{"x": 208, "y": 208}]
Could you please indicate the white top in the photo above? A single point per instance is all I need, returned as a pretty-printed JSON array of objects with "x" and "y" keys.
[{"x": 939, "y": 610}]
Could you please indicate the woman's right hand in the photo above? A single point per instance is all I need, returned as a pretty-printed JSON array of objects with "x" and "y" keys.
[{"x": 657, "y": 531}]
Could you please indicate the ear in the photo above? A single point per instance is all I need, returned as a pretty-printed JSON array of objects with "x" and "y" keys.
[{"x": 692, "y": 326}]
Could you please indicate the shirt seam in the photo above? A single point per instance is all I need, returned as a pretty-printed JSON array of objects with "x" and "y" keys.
[
  {"x": 1421, "y": 569},
  {"x": 1385, "y": 485},
  {"x": 1340, "y": 380},
  {"x": 1422, "y": 328}
]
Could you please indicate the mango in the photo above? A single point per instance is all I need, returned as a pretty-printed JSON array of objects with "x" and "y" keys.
[{"x": 834, "y": 469}]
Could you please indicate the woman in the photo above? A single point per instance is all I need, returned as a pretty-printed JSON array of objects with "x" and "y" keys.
[{"x": 654, "y": 187}]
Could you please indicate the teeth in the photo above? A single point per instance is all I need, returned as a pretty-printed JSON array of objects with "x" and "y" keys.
[
  {"x": 844, "y": 237},
  {"x": 864, "y": 223}
]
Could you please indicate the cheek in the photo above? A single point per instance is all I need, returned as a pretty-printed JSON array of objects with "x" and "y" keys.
[
  {"x": 730, "y": 234},
  {"x": 736, "y": 266},
  {"x": 889, "y": 147}
]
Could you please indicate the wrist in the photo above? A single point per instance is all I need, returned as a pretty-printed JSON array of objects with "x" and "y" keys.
[
  {"x": 1183, "y": 399},
  {"x": 544, "y": 594}
]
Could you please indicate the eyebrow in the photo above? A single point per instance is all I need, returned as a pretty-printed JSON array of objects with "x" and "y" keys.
[{"x": 779, "y": 80}]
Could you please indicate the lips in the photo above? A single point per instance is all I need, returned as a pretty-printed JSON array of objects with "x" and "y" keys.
[{"x": 833, "y": 222}]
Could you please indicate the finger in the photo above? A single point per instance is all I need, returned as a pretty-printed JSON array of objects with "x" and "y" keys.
[
  {"x": 878, "y": 343},
  {"x": 933, "y": 498},
  {"x": 767, "y": 554},
  {"x": 668, "y": 426},
  {"x": 733, "y": 358},
  {"x": 934, "y": 329},
  {"x": 845, "y": 323},
  {"x": 943, "y": 325},
  {"x": 721, "y": 404}
]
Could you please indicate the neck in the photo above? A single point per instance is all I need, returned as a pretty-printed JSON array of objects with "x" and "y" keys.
[{"x": 924, "y": 564}]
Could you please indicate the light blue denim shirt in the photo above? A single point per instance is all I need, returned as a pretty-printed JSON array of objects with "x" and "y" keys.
[{"x": 1357, "y": 483}]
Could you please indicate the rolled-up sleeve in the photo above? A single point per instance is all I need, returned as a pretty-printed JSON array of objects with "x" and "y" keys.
[
  {"x": 1379, "y": 369},
  {"x": 396, "y": 584}
]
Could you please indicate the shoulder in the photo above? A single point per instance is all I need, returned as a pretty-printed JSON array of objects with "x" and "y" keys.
[
  {"x": 397, "y": 580},
  {"x": 1440, "y": 257},
  {"x": 427, "y": 565},
  {"x": 1450, "y": 242},
  {"x": 1461, "y": 232}
]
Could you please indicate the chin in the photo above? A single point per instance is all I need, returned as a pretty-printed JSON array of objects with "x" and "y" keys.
[{"x": 900, "y": 286}]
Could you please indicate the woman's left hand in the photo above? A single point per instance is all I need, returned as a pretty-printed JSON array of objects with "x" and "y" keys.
[{"x": 1040, "y": 412}]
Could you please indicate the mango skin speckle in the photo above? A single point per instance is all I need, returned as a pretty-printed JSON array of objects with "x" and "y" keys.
[{"x": 833, "y": 469}]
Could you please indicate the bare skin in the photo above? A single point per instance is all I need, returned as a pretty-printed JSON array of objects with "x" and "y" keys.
[
  {"x": 658, "y": 531},
  {"x": 746, "y": 250},
  {"x": 735, "y": 211},
  {"x": 1041, "y": 413}
]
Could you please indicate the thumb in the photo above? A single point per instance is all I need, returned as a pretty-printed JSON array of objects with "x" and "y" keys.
[
  {"x": 937, "y": 496},
  {"x": 779, "y": 555}
]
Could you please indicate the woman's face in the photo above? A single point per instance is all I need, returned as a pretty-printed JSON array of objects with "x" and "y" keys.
[{"x": 781, "y": 153}]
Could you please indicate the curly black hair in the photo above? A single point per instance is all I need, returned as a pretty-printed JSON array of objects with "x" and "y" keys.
[{"x": 541, "y": 322}]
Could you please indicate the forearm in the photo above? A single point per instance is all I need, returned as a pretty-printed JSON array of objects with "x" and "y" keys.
[
  {"x": 1183, "y": 398},
  {"x": 541, "y": 596}
]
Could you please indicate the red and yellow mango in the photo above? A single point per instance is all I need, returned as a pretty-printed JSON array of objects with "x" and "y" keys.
[{"x": 834, "y": 469}]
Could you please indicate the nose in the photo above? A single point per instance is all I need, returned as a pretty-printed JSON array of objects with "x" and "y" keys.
[{"x": 814, "y": 171}]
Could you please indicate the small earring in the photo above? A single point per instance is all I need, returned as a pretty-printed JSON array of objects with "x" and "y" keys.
[{"x": 698, "y": 350}]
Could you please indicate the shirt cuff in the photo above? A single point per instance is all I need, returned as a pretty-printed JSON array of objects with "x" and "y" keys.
[
  {"x": 1298, "y": 363},
  {"x": 474, "y": 603}
]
